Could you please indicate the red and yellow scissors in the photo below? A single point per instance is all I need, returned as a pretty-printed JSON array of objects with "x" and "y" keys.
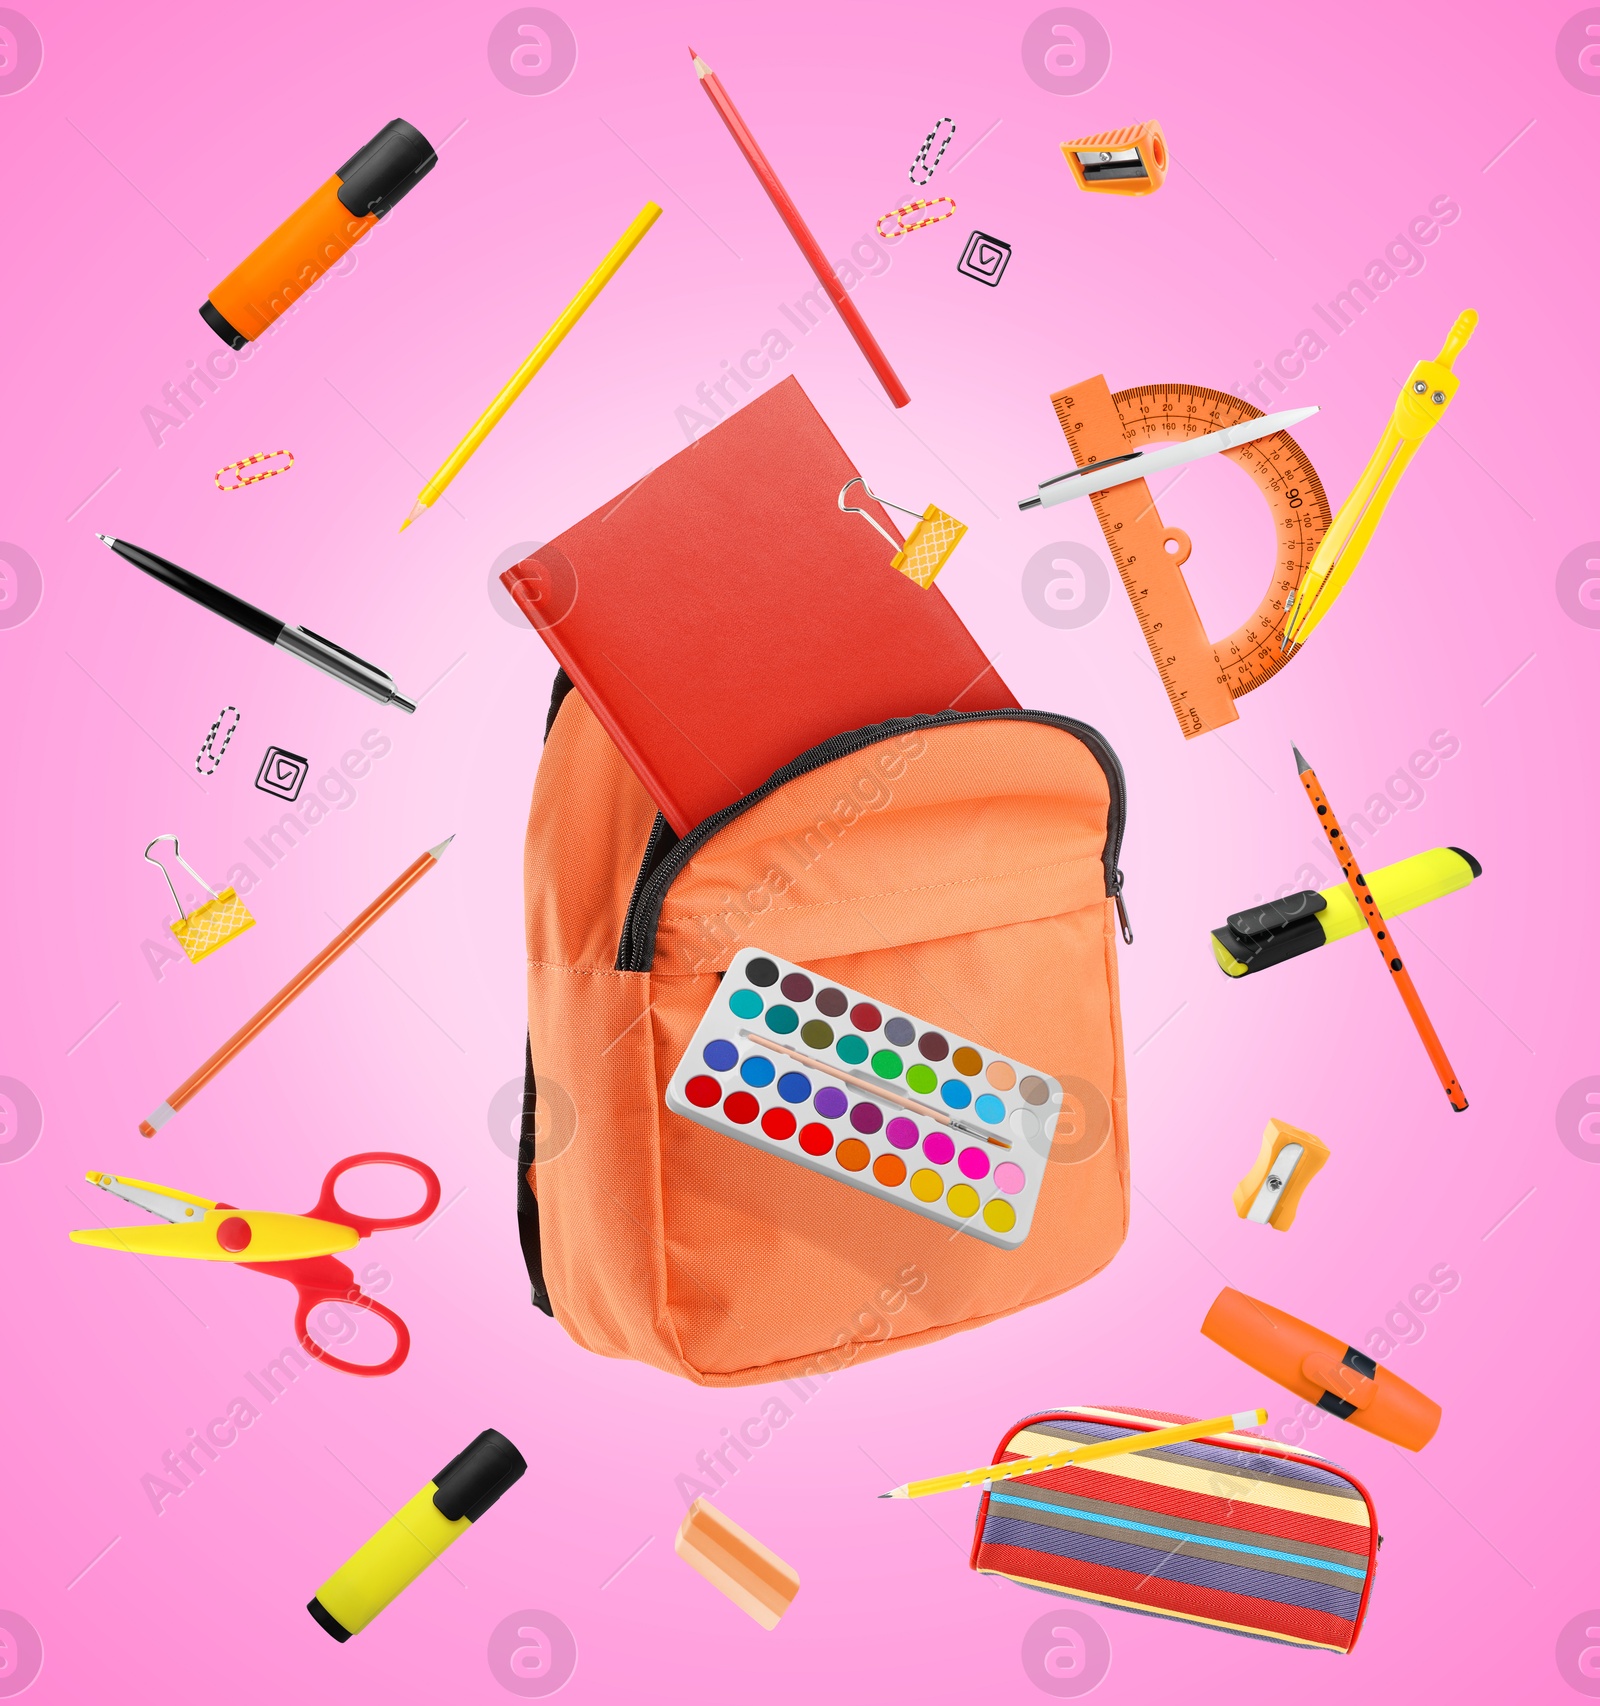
[{"x": 296, "y": 1247}]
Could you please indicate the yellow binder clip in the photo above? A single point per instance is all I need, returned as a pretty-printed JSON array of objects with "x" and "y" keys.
[
  {"x": 1270, "y": 1192},
  {"x": 213, "y": 923},
  {"x": 931, "y": 541}
]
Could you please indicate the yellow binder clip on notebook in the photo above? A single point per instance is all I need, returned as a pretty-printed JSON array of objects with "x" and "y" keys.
[
  {"x": 213, "y": 923},
  {"x": 931, "y": 541}
]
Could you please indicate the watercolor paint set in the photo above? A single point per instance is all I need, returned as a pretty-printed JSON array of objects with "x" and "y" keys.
[{"x": 873, "y": 1097}]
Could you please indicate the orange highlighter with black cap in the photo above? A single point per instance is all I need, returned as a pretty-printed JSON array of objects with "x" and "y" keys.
[
  {"x": 273, "y": 276},
  {"x": 1321, "y": 1369}
]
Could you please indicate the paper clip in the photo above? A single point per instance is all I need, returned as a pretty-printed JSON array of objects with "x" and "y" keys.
[
  {"x": 213, "y": 923},
  {"x": 922, "y": 162},
  {"x": 243, "y": 479},
  {"x": 899, "y": 216},
  {"x": 205, "y": 746},
  {"x": 930, "y": 543}
]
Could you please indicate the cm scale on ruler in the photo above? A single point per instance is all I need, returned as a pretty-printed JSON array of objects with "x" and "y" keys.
[{"x": 1202, "y": 677}]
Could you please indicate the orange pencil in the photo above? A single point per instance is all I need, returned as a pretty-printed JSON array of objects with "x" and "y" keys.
[
  {"x": 198, "y": 1079},
  {"x": 800, "y": 231},
  {"x": 1381, "y": 935}
]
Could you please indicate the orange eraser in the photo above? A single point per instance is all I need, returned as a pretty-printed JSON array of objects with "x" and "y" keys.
[
  {"x": 737, "y": 1564},
  {"x": 1129, "y": 161}
]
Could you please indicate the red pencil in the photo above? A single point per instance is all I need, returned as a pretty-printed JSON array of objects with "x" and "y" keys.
[
  {"x": 1382, "y": 935},
  {"x": 800, "y": 231}
]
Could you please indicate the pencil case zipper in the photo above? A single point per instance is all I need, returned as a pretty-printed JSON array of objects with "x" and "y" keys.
[{"x": 663, "y": 859}]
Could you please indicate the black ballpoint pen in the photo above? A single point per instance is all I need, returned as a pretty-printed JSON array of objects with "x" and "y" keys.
[{"x": 311, "y": 648}]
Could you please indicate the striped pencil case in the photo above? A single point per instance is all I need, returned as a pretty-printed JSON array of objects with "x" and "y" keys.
[{"x": 1236, "y": 1532}]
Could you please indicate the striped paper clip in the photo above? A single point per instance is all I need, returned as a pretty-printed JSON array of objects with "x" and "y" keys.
[
  {"x": 922, "y": 163},
  {"x": 243, "y": 479},
  {"x": 898, "y": 215}
]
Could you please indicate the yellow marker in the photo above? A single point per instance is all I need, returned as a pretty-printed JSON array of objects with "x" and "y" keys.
[
  {"x": 416, "y": 1534},
  {"x": 1423, "y": 400},
  {"x": 542, "y": 351},
  {"x": 1072, "y": 1454},
  {"x": 1267, "y": 935}
]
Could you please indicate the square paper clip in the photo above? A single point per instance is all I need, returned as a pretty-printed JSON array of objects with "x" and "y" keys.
[
  {"x": 931, "y": 541},
  {"x": 213, "y": 923}
]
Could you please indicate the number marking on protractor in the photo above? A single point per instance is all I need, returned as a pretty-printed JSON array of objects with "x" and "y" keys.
[{"x": 1202, "y": 677}]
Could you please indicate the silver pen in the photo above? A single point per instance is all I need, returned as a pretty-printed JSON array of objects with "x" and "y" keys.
[
  {"x": 308, "y": 647},
  {"x": 1138, "y": 464}
]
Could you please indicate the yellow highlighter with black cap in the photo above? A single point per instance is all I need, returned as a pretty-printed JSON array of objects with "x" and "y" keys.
[
  {"x": 1424, "y": 397},
  {"x": 416, "y": 1534},
  {"x": 1267, "y": 935}
]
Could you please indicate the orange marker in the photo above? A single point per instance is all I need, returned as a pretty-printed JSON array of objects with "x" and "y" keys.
[
  {"x": 1381, "y": 935},
  {"x": 318, "y": 233},
  {"x": 308, "y": 973}
]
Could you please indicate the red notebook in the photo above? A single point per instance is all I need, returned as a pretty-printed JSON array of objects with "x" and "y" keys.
[{"x": 724, "y": 614}]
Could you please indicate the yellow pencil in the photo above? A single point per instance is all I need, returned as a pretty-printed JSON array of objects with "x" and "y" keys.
[
  {"x": 1079, "y": 1454},
  {"x": 542, "y": 351}
]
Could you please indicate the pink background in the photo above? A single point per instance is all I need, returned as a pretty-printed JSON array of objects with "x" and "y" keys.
[{"x": 154, "y": 149}]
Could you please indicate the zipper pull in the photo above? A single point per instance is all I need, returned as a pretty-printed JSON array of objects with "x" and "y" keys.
[{"x": 1122, "y": 911}]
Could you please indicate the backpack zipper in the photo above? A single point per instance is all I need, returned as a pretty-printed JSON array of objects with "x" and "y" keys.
[{"x": 637, "y": 948}]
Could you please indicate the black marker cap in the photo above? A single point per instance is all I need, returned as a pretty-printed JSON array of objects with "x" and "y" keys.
[
  {"x": 470, "y": 1483},
  {"x": 233, "y": 339},
  {"x": 374, "y": 178},
  {"x": 328, "y": 1621}
]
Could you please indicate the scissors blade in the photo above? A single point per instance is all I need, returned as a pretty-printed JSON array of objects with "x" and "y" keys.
[
  {"x": 166, "y": 1204},
  {"x": 229, "y": 1235}
]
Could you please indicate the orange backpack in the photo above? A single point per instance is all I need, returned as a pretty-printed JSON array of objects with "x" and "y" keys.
[{"x": 959, "y": 865}]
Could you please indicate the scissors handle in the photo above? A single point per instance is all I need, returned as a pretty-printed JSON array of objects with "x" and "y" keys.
[
  {"x": 329, "y": 1207},
  {"x": 330, "y": 1281}
]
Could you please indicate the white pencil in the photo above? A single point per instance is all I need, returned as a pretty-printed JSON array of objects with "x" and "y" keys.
[{"x": 1139, "y": 464}]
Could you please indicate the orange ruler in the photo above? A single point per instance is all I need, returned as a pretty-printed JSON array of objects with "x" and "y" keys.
[{"x": 1202, "y": 677}]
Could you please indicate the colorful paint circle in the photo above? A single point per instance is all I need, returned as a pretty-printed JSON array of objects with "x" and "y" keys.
[
  {"x": 816, "y": 1033},
  {"x": 932, "y": 1046},
  {"x": 794, "y": 1087},
  {"x": 990, "y": 1109},
  {"x": 889, "y": 1170},
  {"x": 703, "y": 1092},
  {"x": 865, "y": 1017},
  {"x": 1001, "y": 1075},
  {"x": 1034, "y": 1090},
  {"x": 926, "y": 1185},
  {"x": 745, "y": 1004},
  {"x": 833, "y": 1002},
  {"x": 762, "y": 973},
  {"x": 720, "y": 1055},
  {"x": 999, "y": 1215},
  {"x": 899, "y": 1031},
  {"x": 1009, "y": 1177},
  {"x": 853, "y": 1155},
  {"x": 782, "y": 1019},
  {"x": 778, "y": 1123},
  {"x": 967, "y": 1061},
  {"x": 922, "y": 1079},
  {"x": 816, "y": 1139},
  {"x": 758, "y": 1070},
  {"x": 963, "y": 1200},
  {"x": 938, "y": 1148},
  {"x": 955, "y": 1094},
  {"x": 974, "y": 1163},
  {"x": 741, "y": 1107},
  {"x": 797, "y": 986},
  {"x": 831, "y": 1102},
  {"x": 901, "y": 1132},
  {"x": 887, "y": 1064},
  {"x": 867, "y": 1117},
  {"x": 852, "y": 1049}
]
